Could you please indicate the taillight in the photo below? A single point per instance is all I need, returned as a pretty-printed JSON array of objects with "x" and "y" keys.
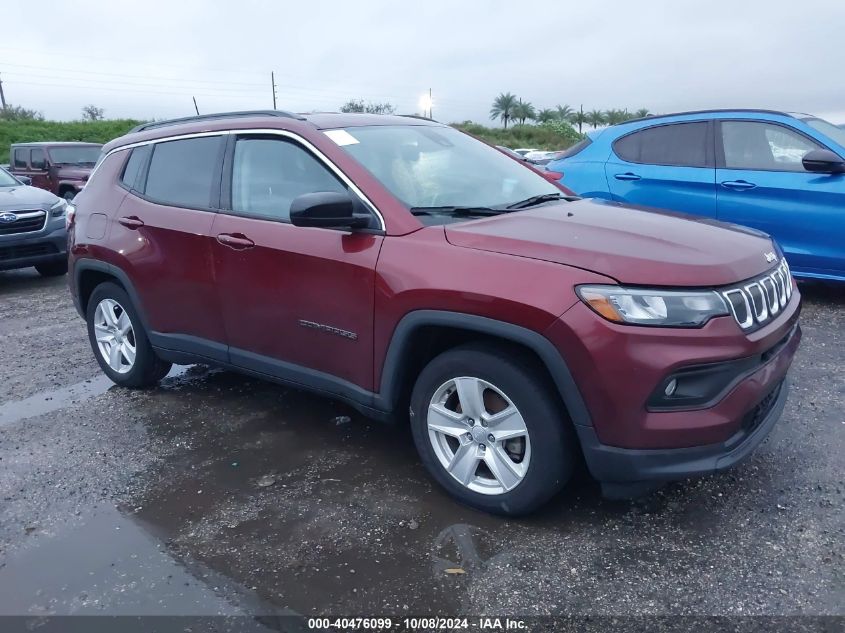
[
  {"x": 70, "y": 212},
  {"x": 554, "y": 176}
]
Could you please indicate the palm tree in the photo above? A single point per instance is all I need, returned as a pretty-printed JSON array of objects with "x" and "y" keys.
[
  {"x": 579, "y": 118},
  {"x": 545, "y": 115},
  {"x": 564, "y": 112},
  {"x": 503, "y": 107},
  {"x": 595, "y": 118},
  {"x": 642, "y": 113},
  {"x": 523, "y": 111},
  {"x": 612, "y": 117}
]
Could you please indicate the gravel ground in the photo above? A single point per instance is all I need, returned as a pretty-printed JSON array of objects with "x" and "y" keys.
[{"x": 216, "y": 493}]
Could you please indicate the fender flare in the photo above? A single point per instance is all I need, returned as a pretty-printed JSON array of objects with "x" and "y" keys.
[
  {"x": 391, "y": 375},
  {"x": 83, "y": 265}
]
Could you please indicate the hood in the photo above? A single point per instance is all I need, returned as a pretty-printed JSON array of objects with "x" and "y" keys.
[
  {"x": 73, "y": 172},
  {"x": 22, "y": 197},
  {"x": 632, "y": 245}
]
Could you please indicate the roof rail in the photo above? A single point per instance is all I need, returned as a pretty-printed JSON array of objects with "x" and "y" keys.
[
  {"x": 711, "y": 111},
  {"x": 214, "y": 117}
]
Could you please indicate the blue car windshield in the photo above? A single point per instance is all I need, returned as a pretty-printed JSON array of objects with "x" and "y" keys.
[{"x": 828, "y": 129}]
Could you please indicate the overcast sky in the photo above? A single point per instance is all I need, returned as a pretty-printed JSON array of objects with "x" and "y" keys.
[{"x": 147, "y": 59}]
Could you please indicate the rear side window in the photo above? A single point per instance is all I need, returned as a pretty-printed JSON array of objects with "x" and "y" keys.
[
  {"x": 577, "y": 148},
  {"x": 181, "y": 173},
  {"x": 20, "y": 158},
  {"x": 137, "y": 158},
  {"x": 678, "y": 144},
  {"x": 38, "y": 160}
]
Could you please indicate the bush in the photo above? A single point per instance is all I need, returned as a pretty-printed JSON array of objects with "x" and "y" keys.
[
  {"x": 35, "y": 130},
  {"x": 551, "y": 135}
]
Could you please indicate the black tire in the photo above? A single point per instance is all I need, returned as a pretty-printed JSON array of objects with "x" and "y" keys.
[
  {"x": 52, "y": 269},
  {"x": 148, "y": 368},
  {"x": 518, "y": 376}
]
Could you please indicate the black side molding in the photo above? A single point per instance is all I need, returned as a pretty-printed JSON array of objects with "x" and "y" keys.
[{"x": 392, "y": 373}]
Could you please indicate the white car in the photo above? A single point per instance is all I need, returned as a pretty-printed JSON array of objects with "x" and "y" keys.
[{"x": 525, "y": 150}]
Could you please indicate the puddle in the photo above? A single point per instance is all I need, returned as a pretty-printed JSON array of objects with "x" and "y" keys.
[
  {"x": 108, "y": 563},
  {"x": 49, "y": 401}
]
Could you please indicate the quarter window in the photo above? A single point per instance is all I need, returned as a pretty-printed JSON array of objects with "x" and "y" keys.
[
  {"x": 137, "y": 158},
  {"x": 764, "y": 146},
  {"x": 21, "y": 158},
  {"x": 182, "y": 172},
  {"x": 267, "y": 174},
  {"x": 678, "y": 144},
  {"x": 37, "y": 159}
]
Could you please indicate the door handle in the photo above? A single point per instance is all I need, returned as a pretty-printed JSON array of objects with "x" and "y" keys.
[
  {"x": 238, "y": 241},
  {"x": 738, "y": 185},
  {"x": 131, "y": 222},
  {"x": 627, "y": 176}
]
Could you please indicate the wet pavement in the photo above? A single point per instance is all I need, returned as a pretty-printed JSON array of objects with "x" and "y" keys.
[{"x": 220, "y": 494}]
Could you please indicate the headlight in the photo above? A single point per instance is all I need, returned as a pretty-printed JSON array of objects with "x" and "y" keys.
[
  {"x": 58, "y": 209},
  {"x": 668, "y": 308}
]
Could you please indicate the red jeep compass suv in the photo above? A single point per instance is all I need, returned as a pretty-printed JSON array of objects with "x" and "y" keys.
[{"x": 421, "y": 275}]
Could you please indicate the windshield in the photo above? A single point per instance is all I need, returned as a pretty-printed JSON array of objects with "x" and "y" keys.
[
  {"x": 837, "y": 134},
  {"x": 6, "y": 179},
  {"x": 427, "y": 167},
  {"x": 79, "y": 155}
]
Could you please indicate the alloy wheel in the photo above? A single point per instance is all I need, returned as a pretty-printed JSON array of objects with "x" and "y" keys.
[
  {"x": 115, "y": 335},
  {"x": 478, "y": 435}
]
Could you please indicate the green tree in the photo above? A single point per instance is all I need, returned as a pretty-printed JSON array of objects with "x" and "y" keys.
[
  {"x": 545, "y": 115},
  {"x": 19, "y": 113},
  {"x": 92, "y": 113},
  {"x": 358, "y": 105},
  {"x": 503, "y": 107},
  {"x": 564, "y": 112},
  {"x": 579, "y": 118},
  {"x": 595, "y": 118},
  {"x": 642, "y": 113},
  {"x": 613, "y": 117},
  {"x": 523, "y": 112}
]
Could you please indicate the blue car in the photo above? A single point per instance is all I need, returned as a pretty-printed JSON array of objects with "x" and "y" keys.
[{"x": 777, "y": 172}]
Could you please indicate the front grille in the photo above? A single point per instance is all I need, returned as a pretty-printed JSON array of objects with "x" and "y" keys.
[
  {"x": 755, "y": 417},
  {"x": 15, "y": 222},
  {"x": 19, "y": 251},
  {"x": 756, "y": 302}
]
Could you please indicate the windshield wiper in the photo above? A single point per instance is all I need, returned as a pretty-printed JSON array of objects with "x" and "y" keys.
[
  {"x": 530, "y": 202},
  {"x": 456, "y": 210}
]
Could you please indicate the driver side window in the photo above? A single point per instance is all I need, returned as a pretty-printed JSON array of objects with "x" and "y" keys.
[
  {"x": 758, "y": 145},
  {"x": 268, "y": 173}
]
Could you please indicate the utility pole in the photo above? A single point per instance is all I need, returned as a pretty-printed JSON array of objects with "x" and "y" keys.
[
  {"x": 2, "y": 96},
  {"x": 195, "y": 106},
  {"x": 273, "y": 84},
  {"x": 430, "y": 102}
]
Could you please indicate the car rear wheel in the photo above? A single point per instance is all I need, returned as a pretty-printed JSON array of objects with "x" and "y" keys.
[
  {"x": 52, "y": 269},
  {"x": 119, "y": 341},
  {"x": 489, "y": 428}
]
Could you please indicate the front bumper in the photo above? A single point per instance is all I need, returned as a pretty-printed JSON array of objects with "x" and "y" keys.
[
  {"x": 625, "y": 473},
  {"x": 29, "y": 251}
]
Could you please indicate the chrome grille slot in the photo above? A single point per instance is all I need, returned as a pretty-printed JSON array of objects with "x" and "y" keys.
[{"x": 759, "y": 301}]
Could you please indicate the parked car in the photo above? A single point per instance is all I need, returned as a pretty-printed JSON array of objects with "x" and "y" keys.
[
  {"x": 424, "y": 277},
  {"x": 32, "y": 228},
  {"x": 781, "y": 173},
  {"x": 522, "y": 151},
  {"x": 543, "y": 157},
  {"x": 61, "y": 168}
]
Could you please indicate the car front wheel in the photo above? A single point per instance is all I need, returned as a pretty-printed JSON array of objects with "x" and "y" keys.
[{"x": 489, "y": 428}]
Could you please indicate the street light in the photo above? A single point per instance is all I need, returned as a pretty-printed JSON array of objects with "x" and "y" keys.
[{"x": 425, "y": 104}]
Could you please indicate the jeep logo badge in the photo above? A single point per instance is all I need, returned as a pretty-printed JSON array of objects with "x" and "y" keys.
[
  {"x": 770, "y": 256},
  {"x": 8, "y": 217}
]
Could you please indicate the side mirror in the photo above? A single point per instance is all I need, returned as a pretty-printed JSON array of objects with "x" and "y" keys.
[
  {"x": 823, "y": 161},
  {"x": 327, "y": 209},
  {"x": 24, "y": 180}
]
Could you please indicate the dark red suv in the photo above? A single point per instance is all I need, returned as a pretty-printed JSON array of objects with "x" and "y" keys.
[{"x": 422, "y": 276}]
